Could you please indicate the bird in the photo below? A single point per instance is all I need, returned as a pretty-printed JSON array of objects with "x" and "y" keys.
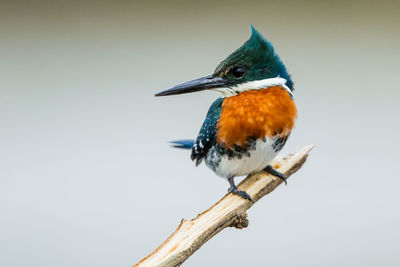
[{"x": 249, "y": 124}]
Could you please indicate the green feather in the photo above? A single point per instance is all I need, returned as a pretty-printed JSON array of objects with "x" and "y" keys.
[{"x": 259, "y": 60}]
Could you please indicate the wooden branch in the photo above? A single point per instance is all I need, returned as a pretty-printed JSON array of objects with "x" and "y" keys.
[{"x": 230, "y": 211}]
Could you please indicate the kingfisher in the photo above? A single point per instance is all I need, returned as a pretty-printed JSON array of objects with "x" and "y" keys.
[{"x": 250, "y": 123}]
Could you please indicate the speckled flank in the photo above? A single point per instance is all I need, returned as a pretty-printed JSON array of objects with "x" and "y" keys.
[{"x": 253, "y": 160}]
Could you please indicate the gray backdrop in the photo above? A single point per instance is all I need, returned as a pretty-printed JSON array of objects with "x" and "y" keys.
[{"x": 87, "y": 177}]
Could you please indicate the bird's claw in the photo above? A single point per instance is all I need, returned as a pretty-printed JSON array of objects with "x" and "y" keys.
[
  {"x": 274, "y": 172},
  {"x": 240, "y": 193}
]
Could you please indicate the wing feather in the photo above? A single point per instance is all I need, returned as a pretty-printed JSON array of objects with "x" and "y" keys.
[{"x": 207, "y": 135}]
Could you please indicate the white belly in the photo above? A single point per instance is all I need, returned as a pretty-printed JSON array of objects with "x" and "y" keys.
[{"x": 259, "y": 158}]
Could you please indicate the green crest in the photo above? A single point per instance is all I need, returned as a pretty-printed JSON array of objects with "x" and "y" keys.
[{"x": 254, "y": 60}]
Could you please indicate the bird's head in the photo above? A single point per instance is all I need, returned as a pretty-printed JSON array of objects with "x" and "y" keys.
[{"x": 252, "y": 66}]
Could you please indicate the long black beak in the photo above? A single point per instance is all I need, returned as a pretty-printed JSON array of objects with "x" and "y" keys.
[{"x": 200, "y": 84}]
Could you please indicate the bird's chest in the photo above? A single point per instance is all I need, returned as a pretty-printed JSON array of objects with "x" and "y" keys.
[
  {"x": 239, "y": 162},
  {"x": 256, "y": 114}
]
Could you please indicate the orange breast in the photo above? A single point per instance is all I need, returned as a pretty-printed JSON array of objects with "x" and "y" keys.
[{"x": 256, "y": 114}]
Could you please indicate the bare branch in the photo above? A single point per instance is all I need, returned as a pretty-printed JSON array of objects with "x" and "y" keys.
[{"x": 230, "y": 211}]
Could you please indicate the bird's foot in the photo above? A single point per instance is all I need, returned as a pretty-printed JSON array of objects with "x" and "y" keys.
[
  {"x": 238, "y": 192},
  {"x": 274, "y": 172},
  {"x": 234, "y": 190}
]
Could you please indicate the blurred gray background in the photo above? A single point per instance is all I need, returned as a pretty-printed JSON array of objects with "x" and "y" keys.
[{"x": 87, "y": 177}]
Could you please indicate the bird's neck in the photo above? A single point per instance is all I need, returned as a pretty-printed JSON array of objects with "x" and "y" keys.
[{"x": 255, "y": 85}]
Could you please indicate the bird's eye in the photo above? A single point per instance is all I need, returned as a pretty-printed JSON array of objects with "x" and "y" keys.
[{"x": 238, "y": 72}]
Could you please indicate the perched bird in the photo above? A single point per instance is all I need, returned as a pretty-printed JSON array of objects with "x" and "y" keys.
[{"x": 246, "y": 128}]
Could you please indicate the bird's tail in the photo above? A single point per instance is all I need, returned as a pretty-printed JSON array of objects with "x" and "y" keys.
[{"x": 184, "y": 144}]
